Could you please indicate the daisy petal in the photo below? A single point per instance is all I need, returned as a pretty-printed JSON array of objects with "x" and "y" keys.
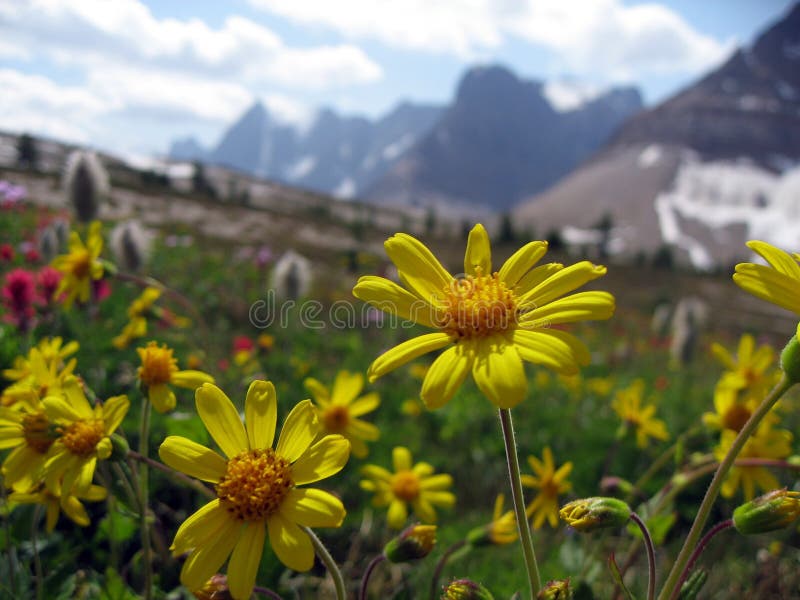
[
  {"x": 221, "y": 419},
  {"x": 114, "y": 410},
  {"x": 499, "y": 373},
  {"x": 401, "y": 459},
  {"x": 290, "y": 543},
  {"x": 424, "y": 510},
  {"x": 522, "y": 261},
  {"x": 562, "y": 282},
  {"x": 446, "y": 375},
  {"x": 387, "y": 296},
  {"x": 583, "y": 306},
  {"x": 405, "y": 352},
  {"x": 367, "y": 403},
  {"x": 325, "y": 458},
  {"x": 206, "y": 560},
  {"x": 190, "y": 379},
  {"x": 299, "y": 430},
  {"x": 161, "y": 397},
  {"x": 261, "y": 414},
  {"x": 397, "y": 514},
  {"x": 558, "y": 350},
  {"x": 419, "y": 269},
  {"x": 195, "y": 531},
  {"x": 768, "y": 284},
  {"x": 318, "y": 390},
  {"x": 441, "y": 481},
  {"x": 192, "y": 458},
  {"x": 313, "y": 508},
  {"x": 781, "y": 261},
  {"x": 346, "y": 387},
  {"x": 478, "y": 256},
  {"x": 245, "y": 560}
]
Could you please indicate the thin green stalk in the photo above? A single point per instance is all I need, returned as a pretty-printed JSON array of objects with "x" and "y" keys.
[
  {"x": 192, "y": 483},
  {"x": 12, "y": 555},
  {"x": 37, "y": 563},
  {"x": 515, "y": 480},
  {"x": 716, "y": 483},
  {"x": 144, "y": 433},
  {"x": 651, "y": 556},
  {"x": 330, "y": 564},
  {"x": 437, "y": 572},
  {"x": 699, "y": 550},
  {"x": 362, "y": 594}
]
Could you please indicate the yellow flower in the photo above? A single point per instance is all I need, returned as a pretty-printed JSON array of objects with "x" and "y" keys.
[
  {"x": 779, "y": 283},
  {"x": 84, "y": 437},
  {"x": 750, "y": 365},
  {"x": 51, "y": 350},
  {"x": 265, "y": 341},
  {"x": 628, "y": 405},
  {"x": 732, "y": 409},
  {"x": 501, "y": 530},
  {"x": 26, "y": 429},
  {"x": 42, "y": 377},
  {"x": 256, "y": 486},
  {"x": 600, "y": 386},
  {"x": 550, "y": 483},
  {"x": 766, "y": 443},
  {"x": 160, "y": 368},
  {"x": 136, "y": 327},
  {"x": 54, "y": 502},
  {"x": 339, "y": 409},
  {"x": 493, "y": 320},
  {"x": 409, "y": 484},
  {"x": 411, "y": 407},
  {"x": 79, "y": 266}
]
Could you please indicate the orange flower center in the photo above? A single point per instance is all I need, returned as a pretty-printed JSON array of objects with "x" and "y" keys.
[
  {"x": 35, "y": 426},
  {"x": 335, "y": 418},
  {"x": 82, "y": 437},
  {"x": 405, "y": 485},
  {"x": 158, "y": 364},
  {"x": 81, "y": 261},
  {"x": 254, "y": 485},
  {"x": 735, "y": 417},
  {"x": 476, "y": 306}
]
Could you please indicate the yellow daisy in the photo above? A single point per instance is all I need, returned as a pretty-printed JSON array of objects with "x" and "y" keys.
[
  {"x": 550, "y": 482},
  {"x": 53, "y": 351},
  {"x": 493, "y": 320},
  {"x": 43, "y": 377},
  {"x": 160, "y": 368},
  {"x": 501, "y": 530},
  {"x": 136, "y": 327},
  {"x": 732, "y": 409},
  {"x": 84, "y": 437},
  {"x": 628, "y": 405},
  {"x": 778, "y": 283},
  {"x": 256, "y": 486},
  {"x": 339, "y": 409},
  {"x": 27, "y": 430},
  {"x": 413, "y": 484},
  {"x": 55, "y": 502},
  {"x": 79, "y": 266},
  {"x": 766, "y": 443},
  {"x": 749, "y": 367}
]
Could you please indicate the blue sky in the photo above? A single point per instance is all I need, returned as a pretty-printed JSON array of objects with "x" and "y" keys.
[{"x": 131, "y": 75}]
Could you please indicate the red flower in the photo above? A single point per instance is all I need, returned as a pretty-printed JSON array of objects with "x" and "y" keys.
[
  {"x": 48, "y": 279},
  {"x": 18, "y": 294},
  {"x": 6, "y": 252},
  {"x": 33, "y": 256},
  {"x": 243, "y": 343}
]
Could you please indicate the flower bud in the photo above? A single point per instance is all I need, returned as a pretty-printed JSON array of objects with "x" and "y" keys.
[
  {"x": 558, "y": 589},
  {"x": 590, "y": 514},
  {"x": 790, "y": 359},
  {"x": 215, "y": 588},
  {"x": 693, "y": 584},
  {"x": 119, "y": 447},
  {"x": 774, "y": 510},
  {"x": 465, "y": 589},
  {"x": 413, "y": 543}
]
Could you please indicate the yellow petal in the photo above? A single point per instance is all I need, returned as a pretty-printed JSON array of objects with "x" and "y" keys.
[
  {"x": 560, "y": 283},
  {"x": 114, "y": 411},
  {"x": 558, "y": 350},
  {"x": 499, "y": 373},
  {"x": 768, "y": 284},
  {"x": 439, "y": 498},
  {"x": 401, "y": 459},
  {"x": 478, "y": 256},
  {"x": 325, "y": 458},
  {"x": 583, "y": 306},
  {"x": 521, "y": 262},
  {"x": 376, "y": 472},
  {"x": 318, "y": 390},
  {"x": 442, "y": 481},
  {"x": 299, "y": 430},
  {"x": 390, "y": 298},
  {"x": 290, "y": 543},
  {"x": 58, "y": 408},
  {"x": 206, "y": 560},
  {"x": 261, "y": 414},
  {"x": 418, "y": 268},
  {"x": 190, "y": 379},
  {"x": 75, "y": 510},
  {"x": 221, "y": 419},
  {"x": 366, "y": 404},
  {"x": 397, "y": 515},
  {"x": 746, "y": 346},
  {"x": 162, "y": 397},
  {"x": 406, "y": 352},
  {"x": 363, "y": 430},
  {"x": 781, "y": 261},
  {"x": 536, "y": 276},
  {"x": 424, "y": 510},
  {"x": 245, "y": 560},
  {"x": 22, "y": 468},
  {"x": 312, "y": 508},
  {"x": 446, "y": 375},
  {"x": 195, "y": 531},
  {"x": 346, "y": 387},
  {"x": 192, "y": 458},
  {"x": 723, "y": 356}
]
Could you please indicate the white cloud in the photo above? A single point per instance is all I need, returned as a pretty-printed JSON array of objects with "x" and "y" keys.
[{"x": 586, "y": 36}]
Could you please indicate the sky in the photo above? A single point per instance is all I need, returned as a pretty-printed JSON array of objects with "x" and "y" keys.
[{"x": 130, "y": 76}]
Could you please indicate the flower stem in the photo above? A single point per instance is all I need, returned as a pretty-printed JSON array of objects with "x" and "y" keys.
[
  {"x": 515, "y": 480},
  {"x": 437, "y": 572},
  {"x": 330, "y": 564},
  {"x": 37, "y": 563},
  {"x": 192, "y": 483},
  {"x": 267, "y": 592},
  {"x": 651, "y": 556},
  {"x": 699, "y": 550},
  {"x": 716, "y": 483},
  {"x": 10, "y": 548},
  {"x": 144, "y": 433},
  {"x": 362, "y": 594}
]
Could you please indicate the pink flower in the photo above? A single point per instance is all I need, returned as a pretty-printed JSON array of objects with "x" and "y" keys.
[
  {"x": 18, "y": 294},
  {"x": 48, "y": 279},
  {"x": 6, "y": 252}
]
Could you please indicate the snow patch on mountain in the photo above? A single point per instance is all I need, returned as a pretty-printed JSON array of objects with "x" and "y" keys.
[
  {"x": 396, "y": 148},
  {"x": 566, "y": 96},
  {"x": 301, "y": 168},
  {"x": 345, "y": 189},
  {"x": 649, "y": 156}
]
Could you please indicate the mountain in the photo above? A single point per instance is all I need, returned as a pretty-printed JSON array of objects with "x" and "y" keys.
[
  {"x": 336, "y": 154},
  {"x": 500, "y": 140},
  {"x": 702, "y": 172}
]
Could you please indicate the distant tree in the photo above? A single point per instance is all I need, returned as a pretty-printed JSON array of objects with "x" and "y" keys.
[
  {"x": 200, "y": 183},
  {"x": 507, "y": 234},
  {"x": 466, "y": 226},
  {"x": 604, "y": 226},
  {"x": 554, "y": 240},
  {"x": 27, "y": 152},
  {"x": 664, "y": 258},
  {"x": 430, "y": 221}
]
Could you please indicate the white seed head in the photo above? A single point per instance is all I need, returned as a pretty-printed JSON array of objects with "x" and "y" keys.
[{"x": 85, "y": 184}]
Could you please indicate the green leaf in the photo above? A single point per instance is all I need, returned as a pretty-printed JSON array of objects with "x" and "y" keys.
[
  {"x": 615, "y": 573},
  {"x": 118, "y": 527},
  {"x": 115, "y": 588}
]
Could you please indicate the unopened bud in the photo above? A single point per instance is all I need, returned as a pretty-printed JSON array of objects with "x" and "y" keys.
[
  {"x": 119, "y": 447},
  {"x": 413, "y": 543},
  {"x": 465, "y": 589},
  {"x": 774, "y": 510},
  {"x": 590, "y": 514},
  {"x": 790, "y": 359},
  {"x": 693, "y": 584},
  {"x": 556, "y": 590},
  {"x": 215, "y": 588}
]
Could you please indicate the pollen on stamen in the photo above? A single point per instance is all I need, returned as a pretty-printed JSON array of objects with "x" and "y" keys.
[
  {"x": 476, "y": 306},
  {"x": 81, "y": 437},
  {"x": 405, "y": 485},
  {"x": 254, "y": 485}
]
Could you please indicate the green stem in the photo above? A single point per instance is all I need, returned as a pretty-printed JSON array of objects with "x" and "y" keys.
[
  {"x": 515, "y": 479},
  {"x": 192, "y": 483},
  {"x": 37, "y": 563},
  {"x": 716, "y": 483},
  {"x": 651, "y": 556},
  {"x": 699, "y": 550},
  {"x": 144, "y": 433},
  {"x": 437, "y": 572},
  {"x": 362, "y": 595},
  {"x": 330, "y": 564},
  {"x": 12, "y": 555}
]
